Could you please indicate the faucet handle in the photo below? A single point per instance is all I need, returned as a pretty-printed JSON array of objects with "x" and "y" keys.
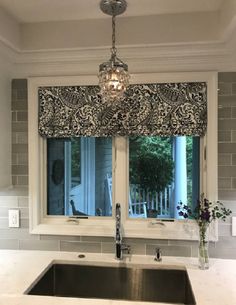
[
  {"x": 126, "y": 248},
  {"x": 158, "y": 255},
  {"x": 118, "y": 214}
]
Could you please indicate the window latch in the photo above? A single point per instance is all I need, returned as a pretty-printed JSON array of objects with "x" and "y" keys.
[{"x": 75, "y": 219}]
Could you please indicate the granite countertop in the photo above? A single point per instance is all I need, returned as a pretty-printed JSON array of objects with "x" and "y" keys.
[{"x": 18, "y": 269}]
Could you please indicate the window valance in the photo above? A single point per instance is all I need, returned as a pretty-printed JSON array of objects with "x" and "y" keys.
[{"x": 162, "y": 109}]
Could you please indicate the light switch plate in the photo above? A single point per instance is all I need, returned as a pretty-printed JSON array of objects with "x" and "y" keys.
[
  {"x": 13, "y": 218},
  {"x": 233, "y": 226}
]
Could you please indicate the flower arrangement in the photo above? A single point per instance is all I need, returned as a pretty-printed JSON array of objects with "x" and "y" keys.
[{"x": 204, "y": 213}]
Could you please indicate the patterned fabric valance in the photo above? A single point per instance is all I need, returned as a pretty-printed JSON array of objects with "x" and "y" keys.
[{"x": 148, "y": 109}]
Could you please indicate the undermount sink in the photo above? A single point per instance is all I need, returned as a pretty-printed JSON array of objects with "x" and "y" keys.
[{"x": 170, "y": 285}]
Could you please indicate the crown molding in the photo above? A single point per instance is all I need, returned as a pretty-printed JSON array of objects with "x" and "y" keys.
[
  {"x": 211, "y": 55},
  {"x": 142, "y": 58},
  {"x": 215, "y": 55},
  {"x": 128, "y": 52}
]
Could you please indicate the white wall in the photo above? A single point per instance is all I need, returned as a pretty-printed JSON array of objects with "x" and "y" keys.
[
  {"x": 9, "y": 29},
  {"x": 5, "y": 122},
  {"x": 9, "y": 44},
  {"x": 159, "y": 29},
  {"x": 227, "y": 18}
]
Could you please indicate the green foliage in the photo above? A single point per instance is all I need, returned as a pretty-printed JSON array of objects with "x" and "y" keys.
[
  {"x": 205, "y": 211},
  {"x": 189, "y": 163},
  {"x": 75, "y": 158},
  {"x": 151, "y": 164},
  {"x": 189, "y": 155}
]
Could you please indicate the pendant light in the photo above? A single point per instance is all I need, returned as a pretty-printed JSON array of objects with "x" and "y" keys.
[{"x": 113, "y": 74}]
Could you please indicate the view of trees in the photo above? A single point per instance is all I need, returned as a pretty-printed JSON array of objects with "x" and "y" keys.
[
  {"x": 151, "y": 164},
  {"x": 151, "y": 171},
  {"x": 189, "y": 156},
  {"x": 75, "y": 160}
]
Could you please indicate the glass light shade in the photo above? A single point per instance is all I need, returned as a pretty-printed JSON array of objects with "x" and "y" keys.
[
  {"x": 113, "y": 81},
  {"x": 113, "y": 75}
]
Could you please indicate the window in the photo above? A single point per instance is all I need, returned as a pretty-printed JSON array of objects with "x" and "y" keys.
[
  {"x": 78, "y": 175},
  {"x": 41, "y": 222},
  {"x": 162, "y": 172}
]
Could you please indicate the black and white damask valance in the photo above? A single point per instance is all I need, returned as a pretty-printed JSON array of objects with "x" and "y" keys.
[{"x": 148, "y": 109}]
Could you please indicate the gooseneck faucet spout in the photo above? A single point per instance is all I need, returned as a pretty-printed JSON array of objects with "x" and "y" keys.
[
  {"x": 158, "y": 255},
  {"x": 118, "y": 236}
]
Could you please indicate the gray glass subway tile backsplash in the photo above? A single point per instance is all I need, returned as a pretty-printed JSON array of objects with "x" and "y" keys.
[{"x": 21, "y": 239}]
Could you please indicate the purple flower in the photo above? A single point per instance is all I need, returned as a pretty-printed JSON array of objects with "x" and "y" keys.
[
  {"x": 205, "y": 215},
  {"x": 189, "y": 211},
  {"x": 205, "y": 211},
  {"x": 206, "y": 203}
]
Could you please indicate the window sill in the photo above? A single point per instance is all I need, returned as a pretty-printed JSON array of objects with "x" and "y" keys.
[
  {"x": 76, "y": 227},
  {"x": 177, "y": 229}
]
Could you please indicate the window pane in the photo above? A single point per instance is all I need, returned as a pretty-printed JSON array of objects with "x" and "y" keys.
[
  {"x": 79, "y": 178},
  {"x": 162, "y": 172},
  {"x": 75, "y": 162}
]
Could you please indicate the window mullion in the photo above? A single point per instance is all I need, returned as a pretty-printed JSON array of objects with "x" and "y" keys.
[{"x": 120, "y": 174}]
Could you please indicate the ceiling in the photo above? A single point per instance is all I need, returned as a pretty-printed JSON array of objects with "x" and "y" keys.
[
  {"x": 62, "y": 37},
  {"x": 27, "y": 11}
]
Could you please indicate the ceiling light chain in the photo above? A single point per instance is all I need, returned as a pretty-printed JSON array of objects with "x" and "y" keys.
[{"x": 113, "y": 49}]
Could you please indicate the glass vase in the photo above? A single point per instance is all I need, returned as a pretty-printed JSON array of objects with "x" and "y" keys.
[{"x": 203, "y": 253}]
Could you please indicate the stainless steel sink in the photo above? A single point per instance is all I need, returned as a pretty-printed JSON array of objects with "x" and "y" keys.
[{"x": 117, "y": 283}]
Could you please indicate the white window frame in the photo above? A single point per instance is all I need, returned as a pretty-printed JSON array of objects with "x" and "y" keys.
[
  {"x": 40, "y": 223},
  {"x": 87, "y": 176}
]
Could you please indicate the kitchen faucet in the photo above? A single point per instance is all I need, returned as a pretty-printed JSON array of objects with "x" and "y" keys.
[
  {"x": 158, "y": 255},
  {"x": 120, "y": 247}
]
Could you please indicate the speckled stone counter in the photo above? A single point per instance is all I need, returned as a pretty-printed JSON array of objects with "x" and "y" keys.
[{"x": 18, "y": 269}]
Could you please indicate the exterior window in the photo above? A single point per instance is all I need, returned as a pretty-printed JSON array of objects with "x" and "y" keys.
[
  {"x": 101, "y": 173},
  {"x": 78, "y": 173},
  {"x": 162, "y": 172}
]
